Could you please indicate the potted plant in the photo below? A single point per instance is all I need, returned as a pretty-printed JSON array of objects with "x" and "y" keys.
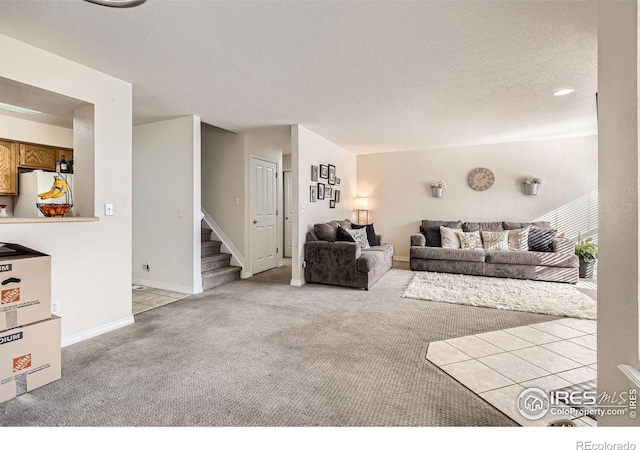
[
  {"x": 531, "y": 184},
  {"x": 587, "y": 252},
  {"x": 438, "y": 188}
]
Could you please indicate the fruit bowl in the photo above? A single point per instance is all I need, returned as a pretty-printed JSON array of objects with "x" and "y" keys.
[{"x": 54, "y": 209}]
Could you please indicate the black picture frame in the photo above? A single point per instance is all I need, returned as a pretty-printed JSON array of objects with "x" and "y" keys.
[
  {"x": 337, "y": 196},
  {"x": 313, "y": 193},
  {"x": 332, "y": 204},
  {"x": 314, "y": 173},
  {"x": 328, "y": 192},
  {"x": 320, "y": 191},
  {"x": 324, "y": 171},
  {"x": 332, "y": 174}
]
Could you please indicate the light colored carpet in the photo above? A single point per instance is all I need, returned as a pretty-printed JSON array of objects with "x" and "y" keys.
[
  {"x": 555, "y": 299},
  {"x": 259, "y": 352}
]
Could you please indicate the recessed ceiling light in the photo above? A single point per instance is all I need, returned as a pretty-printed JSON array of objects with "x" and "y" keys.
[
  {"x": 118, "y": 3},
  {"x": 561, "y": 92},
  {"x": 18, "y": 109}
]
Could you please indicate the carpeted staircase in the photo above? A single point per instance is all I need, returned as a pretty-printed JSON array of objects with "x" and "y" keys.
[{"x": 216, "y": 268}]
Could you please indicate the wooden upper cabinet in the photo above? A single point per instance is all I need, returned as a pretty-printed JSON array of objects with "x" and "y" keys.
[
  {"x": 8, "y": 168},
  {"x": 37, "y": 157}
]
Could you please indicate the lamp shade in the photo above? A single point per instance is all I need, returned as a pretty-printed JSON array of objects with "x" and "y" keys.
[{"x": 362, "y": 202}]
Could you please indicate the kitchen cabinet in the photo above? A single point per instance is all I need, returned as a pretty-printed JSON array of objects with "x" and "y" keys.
[
  {"x": 8, "y": 168},
  {"x": 37, "y": 157}
]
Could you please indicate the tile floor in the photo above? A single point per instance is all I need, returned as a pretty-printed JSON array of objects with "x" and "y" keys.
[
  {"x": 499, "y": 365},
  {"x": 145, "y": 298}
]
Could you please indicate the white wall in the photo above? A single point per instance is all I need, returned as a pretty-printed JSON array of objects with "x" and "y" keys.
[
  {"x": 166, "y": 214},
  {"x": 223, "y": 181},
  {"x": 91, "y": 261},
  {"x": 398, "y": 184},
  {"x": 309, "y": 148},
  {"x": 618, "y": 312}
]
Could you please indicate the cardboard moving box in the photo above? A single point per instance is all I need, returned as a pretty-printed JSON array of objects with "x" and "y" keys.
[
  {"x": 29, "y": 357},
  {"x": 25, "y": 286}
]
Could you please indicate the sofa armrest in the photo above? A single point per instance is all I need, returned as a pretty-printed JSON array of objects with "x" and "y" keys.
[
  {"x": 564, "y": 245},
  {"x": 418, "y": 240},
  {"x": 331, "y": 253}
]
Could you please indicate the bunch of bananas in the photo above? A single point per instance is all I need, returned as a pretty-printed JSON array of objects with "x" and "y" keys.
[{"x": 58, "y": 189}]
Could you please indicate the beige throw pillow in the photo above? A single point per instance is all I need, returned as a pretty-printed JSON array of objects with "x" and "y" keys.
[
  {"x": 449, "y": 237},
  {"x": 469, "y": 240},
  {"x": 495, "y": 240},
  {"x": 360, "y": 236},
  {"x": 519, "y": 240}
]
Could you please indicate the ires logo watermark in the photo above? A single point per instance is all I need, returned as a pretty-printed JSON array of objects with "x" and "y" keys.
[{"x": 534, "y": 403}]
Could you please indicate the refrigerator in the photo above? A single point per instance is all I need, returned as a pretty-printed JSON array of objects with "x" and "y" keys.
[{"x": 30, "y": 184}]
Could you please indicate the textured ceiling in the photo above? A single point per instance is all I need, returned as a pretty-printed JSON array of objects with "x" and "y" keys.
[{"x": 370, "y": 76}]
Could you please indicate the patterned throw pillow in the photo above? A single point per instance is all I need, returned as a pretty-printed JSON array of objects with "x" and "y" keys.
[
  {"x": 360, "y": 236},
  {"x": 495, "y": 240},
  {"x": 519, "y": 240},
  {"x": 449, "y": 237},
  {"x": 470, "y": 240}
]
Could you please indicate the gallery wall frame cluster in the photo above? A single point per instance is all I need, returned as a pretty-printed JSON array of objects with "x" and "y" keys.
[{"x": 324, "y": 190}]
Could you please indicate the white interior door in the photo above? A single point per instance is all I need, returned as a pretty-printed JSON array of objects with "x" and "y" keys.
[
  {"x": 288, "y": 214},
  {"x": 264, "y": 234}
]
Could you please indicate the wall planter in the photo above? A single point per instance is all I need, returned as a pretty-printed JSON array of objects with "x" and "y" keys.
[
  {"x": 437, "y": 191},
  {"x": 530, "y": 189}
]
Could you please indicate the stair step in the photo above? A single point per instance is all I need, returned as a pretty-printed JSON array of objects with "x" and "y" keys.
[
  {"x": 208, "y": 248},
  {"x": 218, "y": 277},
  {"x": 215, "y": 261}
]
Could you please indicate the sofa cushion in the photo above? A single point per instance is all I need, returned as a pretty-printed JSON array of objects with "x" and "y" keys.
[
  {"x": 442, "y": 223},
  {"x": 541, "y": 240},
  {"x": 469, "y": 240},
  {"x": 516, "y": 225},
  {"x": 482, "y": 226},
  {"x": 386, "y": 250},
  {"x": 360, "y": 237},
  {"x": 371, "y": 233},
  {"x": 455, "y": 254},
  {"x": 532, "y": 258},
  {"x": 495, "y": 240},
  {"x": 369, "y": 260},
  {"x": 326, "y": 231},
  {"x": 432, "y": 236}
]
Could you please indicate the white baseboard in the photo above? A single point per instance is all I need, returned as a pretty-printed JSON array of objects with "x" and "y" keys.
[
  {"x": 96, "y": 331},
  {"x": 166, "y": 286},
  {"x": 401, "y": 258},
  {"x": 297, "y": 283},
  {"x": 281, "y": 264},
  {"x": 245, "y": 275}
]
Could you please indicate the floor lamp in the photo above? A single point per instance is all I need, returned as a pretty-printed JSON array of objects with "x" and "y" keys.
[{"x": 362, "y": 205}]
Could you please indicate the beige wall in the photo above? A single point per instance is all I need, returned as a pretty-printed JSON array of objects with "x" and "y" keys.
[
  {"x": 166, "y": 160},
  {"x": 309, "y": 148},
  {"x": 398, "y": 184},
  {"x": 91, "y": 261},
  {"x": 618, "y": 318},
  {"x": 223, "y": 181}
]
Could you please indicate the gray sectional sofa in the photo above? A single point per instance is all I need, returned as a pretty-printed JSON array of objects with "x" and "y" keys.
[
  {"x": 346, "y": 264},
  {"x": 560, "y": 265}
]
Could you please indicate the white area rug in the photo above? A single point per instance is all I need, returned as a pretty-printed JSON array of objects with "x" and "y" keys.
[{"x": 540, "y": 297}]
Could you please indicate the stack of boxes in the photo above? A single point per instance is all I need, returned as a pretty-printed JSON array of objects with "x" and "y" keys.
[{"x": 29, "y": 335}]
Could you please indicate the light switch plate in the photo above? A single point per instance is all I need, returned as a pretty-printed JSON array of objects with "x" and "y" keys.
[{"x": 108, "y": 209}]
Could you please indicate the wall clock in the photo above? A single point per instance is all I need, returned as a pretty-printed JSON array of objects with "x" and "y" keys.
[{"x": 481, "y": 179}]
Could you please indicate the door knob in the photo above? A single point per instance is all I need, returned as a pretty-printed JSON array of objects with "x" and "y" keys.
[{"x": 255, "y": 221}]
